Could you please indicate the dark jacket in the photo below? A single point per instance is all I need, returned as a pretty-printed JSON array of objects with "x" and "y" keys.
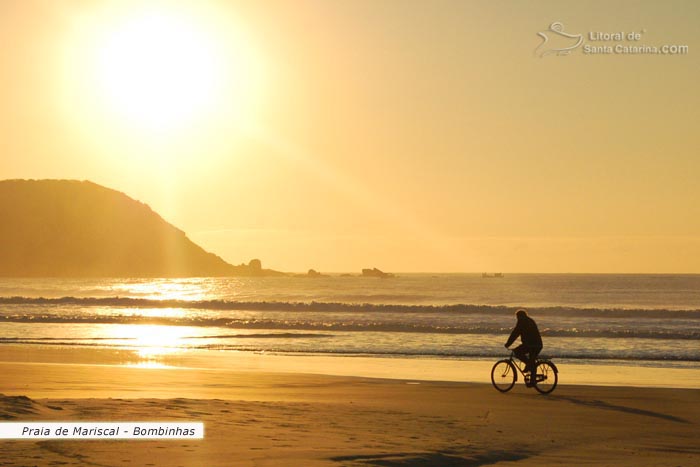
[{"x": 527, "y": 330}]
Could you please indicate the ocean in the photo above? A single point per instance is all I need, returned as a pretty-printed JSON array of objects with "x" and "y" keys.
[{"x": 646, "y": 320}]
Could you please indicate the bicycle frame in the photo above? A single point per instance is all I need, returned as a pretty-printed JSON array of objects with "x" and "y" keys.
[{"x": 520, "y": 365}]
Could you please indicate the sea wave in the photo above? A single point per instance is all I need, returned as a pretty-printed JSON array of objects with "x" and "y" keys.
[
  {"x": 576, "y": 355},
  {"x": 345, "y": 326},
  {"x": 422, "y": 353},
  {"x": 221, "y": 305},
  {"x": 62, "y": 339}
]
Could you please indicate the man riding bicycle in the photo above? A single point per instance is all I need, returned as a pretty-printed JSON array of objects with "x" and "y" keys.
[{"x": 531, "y": 345}]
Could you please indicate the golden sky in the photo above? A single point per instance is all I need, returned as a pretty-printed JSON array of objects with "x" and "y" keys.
[{"x": 336, "y": 135}]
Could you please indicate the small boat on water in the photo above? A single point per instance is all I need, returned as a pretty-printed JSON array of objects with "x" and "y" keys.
[{"x": 497, "y": 275}]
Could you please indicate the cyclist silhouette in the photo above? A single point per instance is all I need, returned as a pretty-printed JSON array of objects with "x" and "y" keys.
[{"x": 531, "y": 342}]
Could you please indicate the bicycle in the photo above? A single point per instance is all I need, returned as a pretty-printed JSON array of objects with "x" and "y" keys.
[{"x": 504, "y": 374}]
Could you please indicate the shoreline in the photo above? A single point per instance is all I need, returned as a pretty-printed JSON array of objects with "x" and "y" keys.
[{"x": 392, "y": 368}]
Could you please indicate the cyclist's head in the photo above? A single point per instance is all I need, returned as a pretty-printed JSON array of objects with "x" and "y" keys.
[{"x": 521, "y": 313}]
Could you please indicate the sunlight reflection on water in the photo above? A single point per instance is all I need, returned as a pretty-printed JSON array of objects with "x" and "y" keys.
[
  {"x": 168, "y": 289},
  {"x": 150, "y": 364},
  {"x": 153, "y": 341}
]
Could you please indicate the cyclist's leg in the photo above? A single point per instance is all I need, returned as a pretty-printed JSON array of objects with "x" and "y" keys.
[
  {"x": 521, "y": 352},
  {"x": 532, "y": 359}
]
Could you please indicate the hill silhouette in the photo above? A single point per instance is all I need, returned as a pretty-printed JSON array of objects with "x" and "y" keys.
[{"x": 67, "y": 228}]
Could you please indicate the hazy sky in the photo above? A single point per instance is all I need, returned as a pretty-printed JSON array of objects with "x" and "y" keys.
[{"x": 337, "y": 135}]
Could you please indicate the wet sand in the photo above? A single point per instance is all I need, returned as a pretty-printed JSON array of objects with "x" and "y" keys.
[{"x": 256, "y": 417}]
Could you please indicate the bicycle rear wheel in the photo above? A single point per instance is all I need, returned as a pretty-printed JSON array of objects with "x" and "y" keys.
[
  {"x": 503, "y": 375},
  {"x": 547, "y": 377}
]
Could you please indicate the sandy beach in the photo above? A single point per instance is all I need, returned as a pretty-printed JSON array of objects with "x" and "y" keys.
[{"x": 256, "y": 417}]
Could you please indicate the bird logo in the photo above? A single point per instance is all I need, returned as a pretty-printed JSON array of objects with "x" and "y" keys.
[{"x": 556, "y": 41}]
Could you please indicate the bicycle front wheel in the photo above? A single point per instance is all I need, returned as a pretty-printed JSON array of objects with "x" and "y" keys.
[
  {"x": 503, "y": 375},
  {"x": 547, "y": 377}
]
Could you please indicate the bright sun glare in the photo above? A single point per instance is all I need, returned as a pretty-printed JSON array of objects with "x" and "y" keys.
[
  {"x": 178, "y": 71},
  {"x": 159, "y": 71}
]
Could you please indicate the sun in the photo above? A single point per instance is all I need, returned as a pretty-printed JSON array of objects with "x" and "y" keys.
[
  {"x": 159, "y": 71},
  {"x": 163, "y": 74}
]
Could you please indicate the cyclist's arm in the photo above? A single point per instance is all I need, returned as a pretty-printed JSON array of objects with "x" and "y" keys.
[{"x": 514, "y": 335}]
